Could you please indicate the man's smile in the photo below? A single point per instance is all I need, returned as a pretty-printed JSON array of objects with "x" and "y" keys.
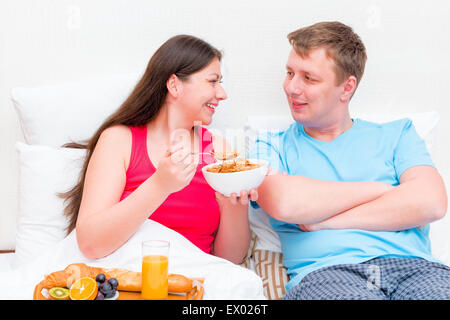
[{"x": 298, "y": 105}]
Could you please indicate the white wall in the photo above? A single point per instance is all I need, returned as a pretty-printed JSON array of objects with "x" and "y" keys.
[{"x": 53, "y": 41}]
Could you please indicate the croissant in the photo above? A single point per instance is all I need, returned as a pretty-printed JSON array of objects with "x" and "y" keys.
[{"x": 128, "y": 280}]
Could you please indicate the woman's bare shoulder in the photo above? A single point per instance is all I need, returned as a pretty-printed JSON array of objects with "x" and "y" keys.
[
  {"x": 116, "y": 140},
  {"x": 118, "y": 131}
]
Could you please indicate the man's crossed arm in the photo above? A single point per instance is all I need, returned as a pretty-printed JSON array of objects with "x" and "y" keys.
[{"x": 316, "y": 204}]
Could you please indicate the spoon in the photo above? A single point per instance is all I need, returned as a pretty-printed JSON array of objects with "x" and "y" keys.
[{"x": 220, "y": 155}]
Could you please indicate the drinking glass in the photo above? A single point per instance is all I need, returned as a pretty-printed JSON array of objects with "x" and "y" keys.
[{"x": 155, "y": 268}]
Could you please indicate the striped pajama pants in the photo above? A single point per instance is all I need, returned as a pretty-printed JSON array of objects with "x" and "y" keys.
[{"x": 376, "y": 279}]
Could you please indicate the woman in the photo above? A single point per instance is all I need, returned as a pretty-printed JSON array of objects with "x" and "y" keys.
[{"x": 143, "y": 162}]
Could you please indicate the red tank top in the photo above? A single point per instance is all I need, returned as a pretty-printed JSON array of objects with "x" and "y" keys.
[{"x": 192, "y": 211}]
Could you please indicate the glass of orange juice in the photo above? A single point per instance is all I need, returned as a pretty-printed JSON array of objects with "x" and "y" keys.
[{"x": 155, "y": 268}]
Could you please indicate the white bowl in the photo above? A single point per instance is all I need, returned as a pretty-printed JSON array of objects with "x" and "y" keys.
[{"x": 227, "y": 183}]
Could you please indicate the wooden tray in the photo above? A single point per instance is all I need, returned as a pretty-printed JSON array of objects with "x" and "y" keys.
[{"x": 128, "y": 295}]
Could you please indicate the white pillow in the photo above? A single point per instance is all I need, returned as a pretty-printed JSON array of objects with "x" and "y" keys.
[
  {"x": 43, "y": 172},
  {"x": 425, "y": 124},
  {"x": 54, "y": 115}
]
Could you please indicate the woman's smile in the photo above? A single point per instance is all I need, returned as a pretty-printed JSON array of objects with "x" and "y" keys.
[{"x": 211, "y": 107}]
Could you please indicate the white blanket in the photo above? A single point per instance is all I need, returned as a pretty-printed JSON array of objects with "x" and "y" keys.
[{"x": 223, "y": 279}]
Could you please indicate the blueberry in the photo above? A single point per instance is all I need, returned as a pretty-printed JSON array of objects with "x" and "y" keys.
[
  {"x": 106, "y": 286},
  {"x": 110, "y": 294},
  {"x": 100, "y": 278},
  {"x": 113, "y": 282},
  {"x": 99, "y": 296}
]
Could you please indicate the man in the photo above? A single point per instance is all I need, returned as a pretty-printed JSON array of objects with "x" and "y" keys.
[{"x": 352, "y": 213}]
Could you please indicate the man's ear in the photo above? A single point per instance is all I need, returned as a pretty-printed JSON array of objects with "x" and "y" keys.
[
  {"x": 349, "y": 88},
  {"x": 173, "y": 86}
]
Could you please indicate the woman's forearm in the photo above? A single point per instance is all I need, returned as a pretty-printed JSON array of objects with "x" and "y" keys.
[
  {"x": 233, "y": 235},
  {"x": 101, "y": 233},
  {"x": 302, "y": 200}
]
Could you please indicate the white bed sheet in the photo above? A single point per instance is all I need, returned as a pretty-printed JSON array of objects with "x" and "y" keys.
[{"x": 223, "y": 279}]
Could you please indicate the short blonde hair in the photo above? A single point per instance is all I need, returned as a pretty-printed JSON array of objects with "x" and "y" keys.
[{"x": 342, "y": 45}]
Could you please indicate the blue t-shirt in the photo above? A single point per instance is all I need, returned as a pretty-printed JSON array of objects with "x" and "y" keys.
[{"x": 366, "y": 152}]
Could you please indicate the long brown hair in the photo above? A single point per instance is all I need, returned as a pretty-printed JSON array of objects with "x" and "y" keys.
[{"x": 181, "y": 55}]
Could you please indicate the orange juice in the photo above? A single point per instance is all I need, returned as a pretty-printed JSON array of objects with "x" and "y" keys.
[{"x": 154, "y": 277}]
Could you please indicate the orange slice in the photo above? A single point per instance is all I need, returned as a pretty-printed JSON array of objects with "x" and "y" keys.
[{"x": 84, "y": 289}]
